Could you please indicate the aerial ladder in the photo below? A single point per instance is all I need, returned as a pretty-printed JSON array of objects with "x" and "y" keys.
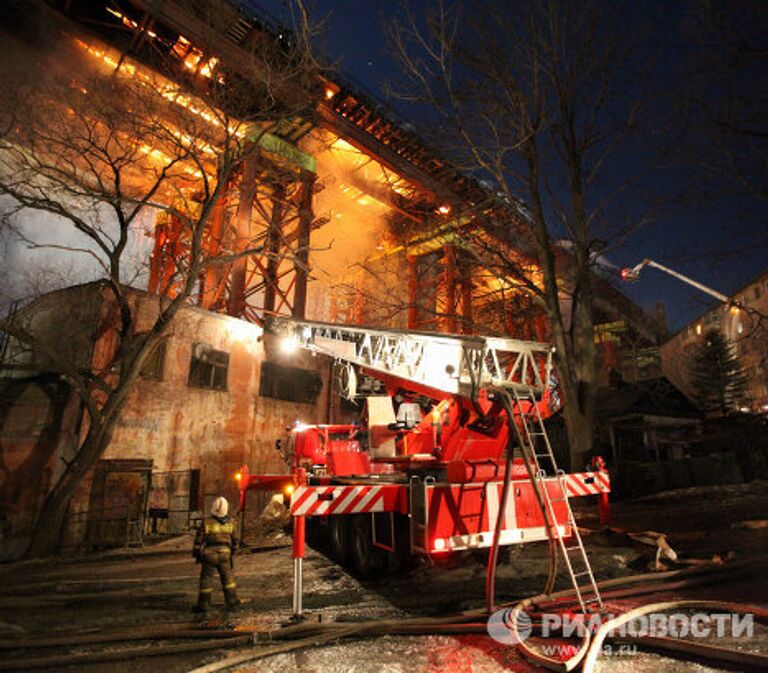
[{"x": 468, "y": 465}]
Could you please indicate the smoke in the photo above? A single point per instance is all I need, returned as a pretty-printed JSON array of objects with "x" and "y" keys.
[{"x": 41, "y": 252}]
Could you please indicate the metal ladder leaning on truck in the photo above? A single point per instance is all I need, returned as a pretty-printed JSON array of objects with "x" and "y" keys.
[{"x": 465, "y": 464}]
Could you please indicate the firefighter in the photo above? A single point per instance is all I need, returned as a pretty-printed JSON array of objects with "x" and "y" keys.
[{"x": 214, "y": 549}]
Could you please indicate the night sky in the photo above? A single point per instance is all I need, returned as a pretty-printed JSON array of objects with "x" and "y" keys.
[{"x": 719, "y": 240}]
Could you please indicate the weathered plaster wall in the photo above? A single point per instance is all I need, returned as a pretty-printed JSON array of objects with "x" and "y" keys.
[
  {"x": 38, "y": 426},
  {"x": 183, "y": 427},
  {"x": 176, "y": 425}
]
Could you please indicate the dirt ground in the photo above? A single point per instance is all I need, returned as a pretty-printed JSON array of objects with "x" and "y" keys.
[{"x": 156, "y": 587}]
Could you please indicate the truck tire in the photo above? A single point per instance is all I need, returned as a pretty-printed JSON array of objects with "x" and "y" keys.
[
  {"x": 340, "y": 534},
  {"x": 367, "y": 559}
]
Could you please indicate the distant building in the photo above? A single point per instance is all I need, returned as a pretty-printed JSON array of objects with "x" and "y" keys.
[
  {"x": 745, "y": 325},
  {"x": 627, "y": 338}
]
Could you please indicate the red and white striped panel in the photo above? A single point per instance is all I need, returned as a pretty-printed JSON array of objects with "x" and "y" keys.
[
  {"x": 587, "y": 483},
  {"x": 325, "y": 500}
]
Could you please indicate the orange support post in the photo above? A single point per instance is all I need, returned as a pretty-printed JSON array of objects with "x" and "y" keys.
[
  {"x": 301, "y": 264},
  {"x": 467, "y": 316},
  {"x": 413, "y": 285},
  {"x": 449, "y": 281},
  {"x": 213, "y": 275},
  {"x": 236, "y": 300},
  {"x": 274, "y": 236}
]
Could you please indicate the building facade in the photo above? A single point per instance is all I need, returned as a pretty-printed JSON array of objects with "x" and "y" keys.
[
  {"x": 744, "y": 324},
  {"x": 214, "y": 395},
  {"x": 352, "y": 220}
]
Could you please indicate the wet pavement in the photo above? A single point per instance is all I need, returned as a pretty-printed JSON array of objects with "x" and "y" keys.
[{"x": 156, "y": 586}]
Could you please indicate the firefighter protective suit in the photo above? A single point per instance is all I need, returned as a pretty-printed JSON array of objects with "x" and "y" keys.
[{"x": 214, "y": 549}]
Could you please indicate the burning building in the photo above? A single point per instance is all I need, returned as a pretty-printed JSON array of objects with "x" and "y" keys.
[{"x": 301, "y": 195}]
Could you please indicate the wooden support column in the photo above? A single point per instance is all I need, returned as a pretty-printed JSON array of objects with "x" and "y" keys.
[
  {"x": 167, "y": 249},
  {"x": 273, "y": 248},
  {"x": 449, "y": 282},
  {"x": 467, "y": 316},
  {"x": 236, "y": 300},
  {"x": 301, "y": 265},
  {"x": 358, "y": 305},
  {"x": 156, "y": 259},
  {"x": 213, "y": 276},
  {"x": 413, "y": 285}
]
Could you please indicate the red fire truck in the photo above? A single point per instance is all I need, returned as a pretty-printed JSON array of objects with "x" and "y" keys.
[{"x": 453, "y": 456}]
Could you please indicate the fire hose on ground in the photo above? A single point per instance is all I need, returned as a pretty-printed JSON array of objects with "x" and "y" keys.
[
  {"x": 589, "y": 652},
  {"x": 305, "y": 635},
  {"x": 312, "y": 634}
]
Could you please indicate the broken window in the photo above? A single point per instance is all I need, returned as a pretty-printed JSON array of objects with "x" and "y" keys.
[
  {"x": 208, "y": 368},
  {"x": 292, "y": 384}
]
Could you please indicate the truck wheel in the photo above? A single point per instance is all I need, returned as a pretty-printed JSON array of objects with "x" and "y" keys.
[
  {"x": 340, "y": 538},
  {"x": 367, "y": 559}
]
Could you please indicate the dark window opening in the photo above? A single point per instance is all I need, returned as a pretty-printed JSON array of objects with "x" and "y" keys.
[
  {"x": 208, "y": 368},
  {"x": 291, "y": 384}
]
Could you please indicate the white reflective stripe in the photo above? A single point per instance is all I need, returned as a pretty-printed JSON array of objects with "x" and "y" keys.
[
  {"x": 306, "y": 504},
  {"x": 325, "y": 503},
  {"x": 368, "y": 497},
  {"x": 349, "y": 498},
  {"x": 510, "y": 514},
  {"x": 379, "y": 506},
  {"x": 492, "y": 503},
  {"x": 485, "y": 539},
  {"x": 328, "y": 498},
  {"x": 576, "y": 486}
]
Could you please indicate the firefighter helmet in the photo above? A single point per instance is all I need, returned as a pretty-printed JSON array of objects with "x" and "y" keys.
[{"x": 220, "y": 507}]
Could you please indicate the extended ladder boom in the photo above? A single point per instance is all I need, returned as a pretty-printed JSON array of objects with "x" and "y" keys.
[{"x": 454, "y": 364}]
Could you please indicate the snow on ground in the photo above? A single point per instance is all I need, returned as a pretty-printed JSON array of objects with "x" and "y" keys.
[{"x": 157, "y": 585}]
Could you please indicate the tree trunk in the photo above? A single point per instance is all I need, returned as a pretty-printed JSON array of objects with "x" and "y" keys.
[
  {"x": 575, "y": 363},
  {"x": 49, "y": 527},
  {"x": 579, "y": 426}
]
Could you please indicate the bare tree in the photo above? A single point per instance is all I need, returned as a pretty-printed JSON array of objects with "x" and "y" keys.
[
  {"x": 724, "y": 99},
  {"x": 532, "y": 98},
  {"x": 92, "y": 141}
]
